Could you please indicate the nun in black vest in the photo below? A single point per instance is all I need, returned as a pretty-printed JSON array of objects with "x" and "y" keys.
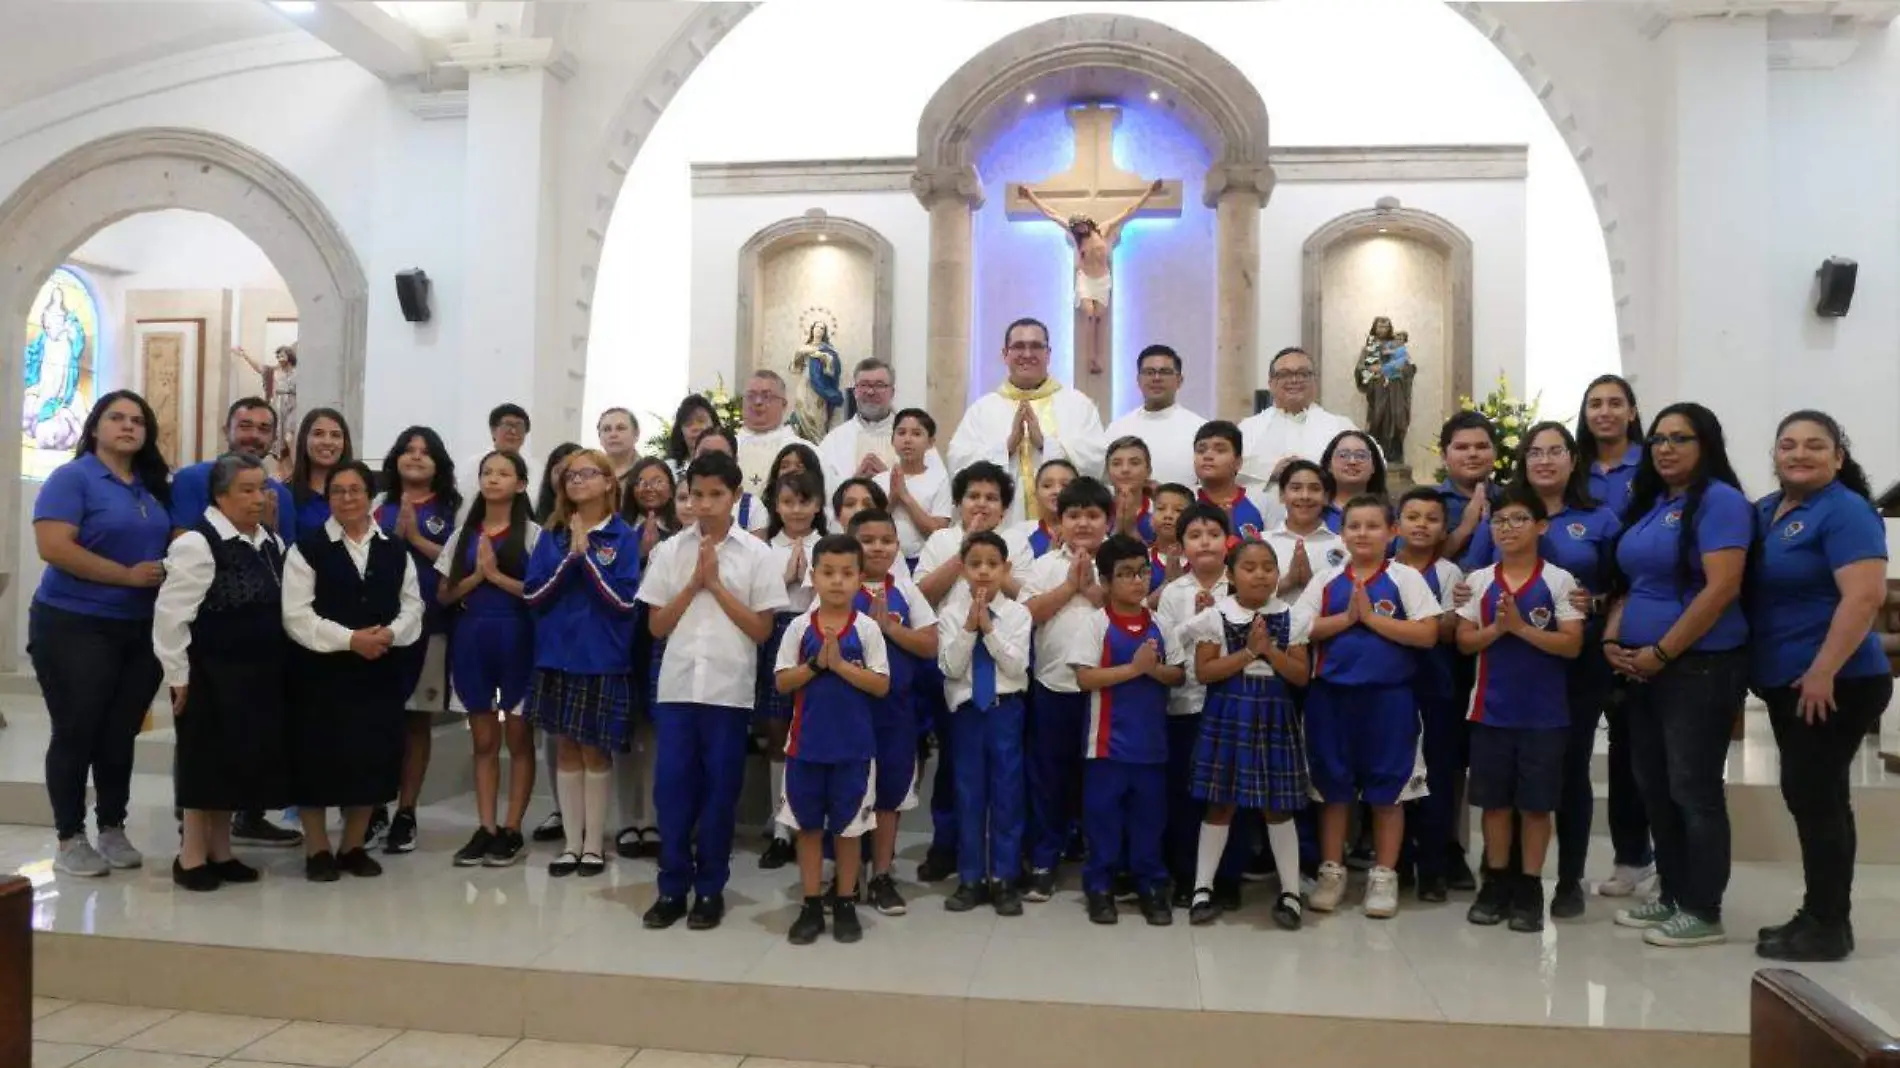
[
  {"x": 350, "y": 598},
  {"x": 219, "y": 635}
]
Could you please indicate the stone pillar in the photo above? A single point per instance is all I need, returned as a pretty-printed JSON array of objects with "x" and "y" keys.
[
  {"x": 1237, "y": 192},
  {"x": 508, "y": 243},
  {"x": 950, "y": 195}
]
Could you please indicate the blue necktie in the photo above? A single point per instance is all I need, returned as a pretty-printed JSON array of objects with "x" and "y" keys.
[{"x": 983, "y": 677}]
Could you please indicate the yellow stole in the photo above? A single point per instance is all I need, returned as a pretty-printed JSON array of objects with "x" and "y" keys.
[{"x": 1042, "y": 402}]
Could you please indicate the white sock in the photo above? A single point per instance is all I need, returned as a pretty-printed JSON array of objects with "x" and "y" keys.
[
  {"x": 1284, "y": 839},
  {"x": 1207, "y": 855},
  {"x": 567, "y": 794},
  {"x": 779, "y": 830},
  {"x": 594, "y": 819}
]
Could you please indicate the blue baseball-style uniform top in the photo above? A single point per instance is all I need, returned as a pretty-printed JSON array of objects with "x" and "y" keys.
[
  {"x": 1792, "y": 595},
  {"x": 1041, "y": 540},
  {"x": 120, "y": 521},
  {"x": 1647, "y": 554},
  {"x": 1157, "y": 571},
  {"x": 904, "y": 666},
  {"x": 584, "y": 602},
  {"x": 1611, "y": 484},
  {"x": 436, "y": 524},
  {"x": 832, "y": 719},
  {"x": 1456, "y": 501},
  {"x": 488, "y": 599},
  {"x": 1579, "y": 541},
  {"x": 1128, "y": 722},
  {"x": 1356, "y": 656},
  {"x": 1243, "y": 516},
  {"x": 191, "y": 495},
  {"x": 1520, "y": 686},
  {"x": 1145, "y": 522}
]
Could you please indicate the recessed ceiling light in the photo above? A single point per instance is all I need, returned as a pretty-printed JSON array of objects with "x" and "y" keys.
[
  {"x": 1154, "y": 94},
  {"x": 1382, "y": 229},
  {"x": 295, "y": 7},
  {"x": 1029, "y": 98},
  {"x": 824, "y": 237}
]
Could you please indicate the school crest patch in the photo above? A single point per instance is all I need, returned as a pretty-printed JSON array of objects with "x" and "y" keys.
[
  {"x": 1249, "y": 532},
  {"x": 606, "y": 554},
  {"x": 1792, "y": 530},
  {"x": 436, "y": 524},
  {"x": 1335, "y": 557},
  {"x": 1672, "y": 520},
  {"x": 1385, "y": 608},
  {"x": 1540, "y": 617},
  {"x": 1577, "y": 531}
]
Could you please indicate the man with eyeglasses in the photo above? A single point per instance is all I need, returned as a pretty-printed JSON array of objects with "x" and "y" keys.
[
  {"x": 763, "y": 430},
  {"x": 1295, "y": 427},
  {"x": 1030, "y": 420},
  {"x": 860, "y": 447},
  {"x": 508, "y": 427},
  {"x": 1167, "y": 427}
]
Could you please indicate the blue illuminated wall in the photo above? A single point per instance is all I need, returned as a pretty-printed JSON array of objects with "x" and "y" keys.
[{"x": 1164, "y": 267}]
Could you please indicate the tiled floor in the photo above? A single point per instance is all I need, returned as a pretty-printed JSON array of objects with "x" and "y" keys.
[{"x": 114, "y": 1036}]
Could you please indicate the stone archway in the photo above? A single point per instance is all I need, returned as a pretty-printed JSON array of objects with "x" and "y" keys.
[
  {"x": 1219, "y": 103},
  {"x": 814, "y": 225},
  {"x": 101, "y": 182}
]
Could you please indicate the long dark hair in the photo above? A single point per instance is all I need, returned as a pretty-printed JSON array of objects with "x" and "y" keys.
[
  {"x": 1850, "y": 474},
  {"x": 809, "y": 485},
  {"x": 441, "y": 484},
  {"x": 148, "y": 464},
  {"x": 300, "y": 466},
  {"x": 1632, "y": 434},
  {"x": 1577, "y": 489},
  {"x": 512, "y": 555},
  {"x": 1647, "y": 487},
  {"x": 630, "y": 507},
  {"x": 676, "y": 449},
  {"x": 1375, "y": 485},
  {"x": 807, "y": 456},
  {"x": 544, "y": 498}
]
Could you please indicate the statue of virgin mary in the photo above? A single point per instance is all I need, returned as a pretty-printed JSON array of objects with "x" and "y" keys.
[{"x": 818, "y": 393}]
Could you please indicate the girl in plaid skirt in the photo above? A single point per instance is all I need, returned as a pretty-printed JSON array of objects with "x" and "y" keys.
[
  {"x": 1250, "y": 753},
  {"x": 798, "y": 521}
]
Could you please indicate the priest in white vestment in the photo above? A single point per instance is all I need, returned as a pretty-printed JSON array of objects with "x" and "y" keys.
[
  {"x": 1294, "y": 428},
  {"x": 861, "y": 446},
  {"x": 1165, "y": 426},
  {"x": 1029, "y": 420},
  {"x": 763, "y": 430}
]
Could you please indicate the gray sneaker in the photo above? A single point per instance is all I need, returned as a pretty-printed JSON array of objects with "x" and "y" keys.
[
  {"x": 77, "y": 857},
  {"x": 117, "y": 848}
]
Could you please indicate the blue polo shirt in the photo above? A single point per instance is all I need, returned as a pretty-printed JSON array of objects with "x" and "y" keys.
[
  {"x": 117, "y": 520},
  {"x": 1647, "y": 554},
  {"x": 1611, "y": 484},
  {"x": 191, "y": 495},
  {"x": 1356, "y": 656},
  {"x": 313, "y": 512},
  {"x": 1791, "y": 591},
  {"x": 1579, "y": 540},
  {"x": 1519, "y": 686}
]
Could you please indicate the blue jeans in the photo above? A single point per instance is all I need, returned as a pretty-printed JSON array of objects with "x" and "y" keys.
[{"x": 1680, "y": 723}]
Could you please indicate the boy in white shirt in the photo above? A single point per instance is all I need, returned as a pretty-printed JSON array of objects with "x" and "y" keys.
[
  {"x": 711, "y": 596},
  {"x": 919, "y": 491}
]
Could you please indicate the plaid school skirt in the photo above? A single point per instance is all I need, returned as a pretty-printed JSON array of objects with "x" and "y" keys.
[
  {"x": 1251, "y": 752},
  {"x": 593, "y": 710},
  {"x": 767, "y": 702}
]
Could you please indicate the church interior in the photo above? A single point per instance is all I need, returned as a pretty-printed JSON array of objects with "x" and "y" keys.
[{"x": 437, "y": 207}]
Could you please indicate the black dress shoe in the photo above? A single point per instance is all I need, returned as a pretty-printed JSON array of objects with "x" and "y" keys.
[
  {"x": 201, "y": 880},
  {"x": 235, "y": 871},
  {"x": 564, "y": 865},
  {"x": 1799, "y": 920},
  {"x": 1289, "y": 912},
  {"x": 1433, "y": 888},
  {"x": 844, "y": 923},
  {"x": 1458, "y": 872},
  {"x": 550, "y": 829},
  {"x": 1201, "y": 909},
  {"x": 251, "y": 828},
  {"x": 321, "y": 867},
  {"x": 809, "y": 924},
  {"x": 1567, "y": 903},
  {"x": 627, "y": 843},
  {"x": 1156, "y": 910},
  {"x": 778, "y": 853},
  {"x": 665, "y": 912},
  {"x": 1227, "y": 895},
  {"x": 359, "y": 863},
  {"x": 966, "y": 898},
  {"x": 1809, "y": 942},
  {"x": 591, "y": 864},
  {"x": 706, "y": 913},
  {"x": 1007, "y": 899},
  {"x": 937, "y": 867},
  {"x": 1102, "y": 909}
]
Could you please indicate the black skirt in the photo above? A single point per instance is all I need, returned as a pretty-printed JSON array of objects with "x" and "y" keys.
[
  {"x": 346, "y": 730},
  {"x": 232, "y": 751}
]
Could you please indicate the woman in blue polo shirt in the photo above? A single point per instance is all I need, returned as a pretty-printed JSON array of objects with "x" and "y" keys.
[
  {"x": 323, "y": 445},
  {"x": 1814, "y": 589},
  {"x": 1612, "y": 435},
  {"x": 101, "y": 524},
  {"x": 1677, "y": 630}
]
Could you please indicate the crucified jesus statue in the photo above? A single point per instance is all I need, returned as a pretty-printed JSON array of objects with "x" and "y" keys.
[{"x": 1094, "y": 244}]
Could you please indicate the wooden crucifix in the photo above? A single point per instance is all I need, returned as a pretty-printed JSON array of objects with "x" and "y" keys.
[{"x": 1091, "y": 201}]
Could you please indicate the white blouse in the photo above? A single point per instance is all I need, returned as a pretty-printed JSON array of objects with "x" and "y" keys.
[
  {"x": 320, "y": 635},
  {"x": 189, "y": 571}
]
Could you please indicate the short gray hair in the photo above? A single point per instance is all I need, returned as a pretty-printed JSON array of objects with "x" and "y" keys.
[
  {"x": 872, "y": 363},
  {"x": 771, "y": 375},
  {"x": 226, "y": 468}
]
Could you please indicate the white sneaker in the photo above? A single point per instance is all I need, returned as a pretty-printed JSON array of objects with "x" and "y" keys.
[
  {"x": 1625, "y": 880},
  {"x": 118, "y": 849},
  {"x": 77, "y": 857},
  {"x": 1382, "y": 894},
  {"x": 1330, "y": 888}
]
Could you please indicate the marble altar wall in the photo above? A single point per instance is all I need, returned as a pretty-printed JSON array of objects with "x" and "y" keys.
[
  {"x": 1408, "y": 281},
  {"x": 1163, "y": 267},
  {"x": 834, "y": 276}
]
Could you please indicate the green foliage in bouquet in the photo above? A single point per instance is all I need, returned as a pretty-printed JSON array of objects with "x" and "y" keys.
[{"x": 1510, "y": 416}]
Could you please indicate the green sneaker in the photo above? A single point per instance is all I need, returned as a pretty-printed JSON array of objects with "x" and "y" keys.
[
  {"x": 1685, "y": 929},
  {"x": 1643, "y": 917}
]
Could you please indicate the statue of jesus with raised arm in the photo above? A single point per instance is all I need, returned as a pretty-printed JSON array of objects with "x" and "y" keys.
[{"x": 1094, "y": 281}]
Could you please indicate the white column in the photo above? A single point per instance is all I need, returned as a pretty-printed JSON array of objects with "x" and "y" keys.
[
  {"x": 950, "y": 195},
  {"x": 508, "y": 248},
  {"x": 1236, "y": 192},
  {"x": 1715, "y": 236}
]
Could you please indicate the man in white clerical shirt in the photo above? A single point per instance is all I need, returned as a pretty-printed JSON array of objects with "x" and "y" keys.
[
  {"x": 860, "y": 447},
  {"x": 1167, "y": 427},
  {"x": 762, "y": 430},
  {"x": 1294, "y": 428},
  {"x": 1029, "y": 420}
]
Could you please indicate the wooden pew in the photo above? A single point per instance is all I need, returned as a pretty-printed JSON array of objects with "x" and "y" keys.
[
  {"x": 16, "y": 973},
  {"x": 1793, "y": 1023}
]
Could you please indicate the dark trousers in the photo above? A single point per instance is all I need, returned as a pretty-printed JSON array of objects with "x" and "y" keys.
[
  {"x": 98, "y": 676},
  {"x": 989, "y": 789},
  {"x": 1591, "y": 698},
  {"x": 944, "y": 833},
  {"x": 1431, "y": 822},
  {"x": 1058, "y": 731},
  {"x": 1680, "y": 723},
  {"x": 1814, "y": 762},
  {"x": 698, "y": 771},
  {"x": 1181, "y": 841},
  {"x": 1124, "y": 814}
]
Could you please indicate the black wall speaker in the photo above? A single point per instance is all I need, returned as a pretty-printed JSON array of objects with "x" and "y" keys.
[
  {"x": 1835, "y": 286},
  {"x": 412, "y": 289}
]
